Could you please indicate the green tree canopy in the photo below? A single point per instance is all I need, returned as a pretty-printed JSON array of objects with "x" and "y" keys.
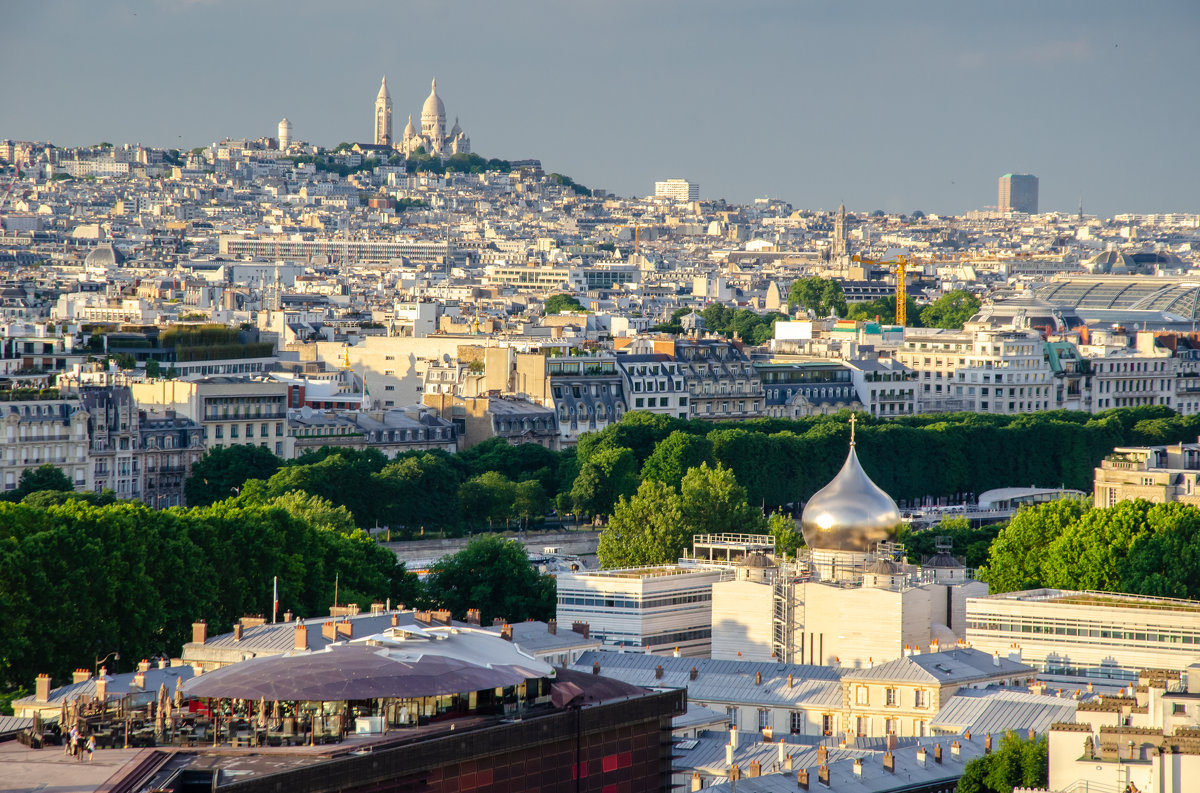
[
  {"x": 646, "y": 529},
  {"x": 222, "y": 470},
  {"x": 1016, "y": 763},
  {"x": 1017, "y": 559},
  {"x": 606, "y": 476},
  {"x": 714, "y": 503},
  {"x": 487, "y": 498},
  {"x": 493, "y": 575},
  {"x": 557, "y": 304},
  {"x": 45, "y": 477},
  {"x": 821, "y": 296},
  {"x": 950, "y": 310},
  {"x": 885, "y": 309},
  {"x": 675, "y": 455}
]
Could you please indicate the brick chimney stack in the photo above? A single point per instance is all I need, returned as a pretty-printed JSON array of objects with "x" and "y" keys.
[
  {"x": 506, "y": 632},
  {"x": 802, "y": 779},
  {"x": 582, "y": 628},
  {"x": 81, "y": 676},
  {"x": 658, "y": 672},
  {"x": 552, "y": 627},
  {"x": 473, "y": 616},
  {"x": 595, "y": 667},
  {"x": 199, "y": 632},
  {"x": 692, "y": 675},
  {"x": 144, "y": 665},
  {"x": 101, "y": 689},
  {"x": 937, "y": 753},
  {"x": 42, "y": 688},
  {"x": 300, "y": 637}
]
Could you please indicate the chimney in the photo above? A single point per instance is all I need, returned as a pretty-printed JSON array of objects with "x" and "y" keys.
[
  {"x": 758, "y": 678},
  {"x": 729, "y": 755},
  {"x": 955, "y": 748},
  {"x": 395, "y": 620},
  {"x": 891, "y": 741},
  {"x": 552, "y": 627},
  {"x": 197, "y": 670},
  {"x": 755, "y": 769},
  {"x": 199, "y": 632},
  {"x": 329, "y": 631},
  {"x": 1032, "y": 735},
  {"x": 937, "y": 753},
  {"x": 921, "y": 756},
  {"x": 658, "y": 672},
  {"x": 496, "y": 622},
  {"x": 1014, "y": 654},
  {"x": 802, "y": 779},
  {"x": 506, "y": 631},
  {"x": 693, "y": 674},
  {"x": 423, "y": 618},
  {"x": 987, "y": 743},
  {"x": 162, "y": 663},
  {"x": 889, "y": 762},
  {"x": 287, "y": 616},
  {"x": 377, "y": 608},
  {"x": 967, "y": 734},
  {"x": 442, "y": 617},
  {"x": 595, "y": 667},
  {"x": 822, "y": 755},
  {"x": 237, "y": 631},
  {"x": 781, "y": 753},
  {"x": 300, "y": 637},
  {"x": 139, "y": 680},
  {"x": 858, "y": 766},
  {"x": 733, "y": 736},
  {"x": 735, "y": 773},
  {"x": 697, "y": 782},
  {"x": 675, "y": 654},
  {"x": 768, "y": 735},
  {"x": 472, "y": 616},
  {"x": 582, "y": 628},
  {"x": 789, "y": 681},
  {"x": 81, "y": 676},
  {"x": 344, "y": 628},
  {"x": 787, "y": 758},
  {"x": 144, "y": 665},
  {"x": 101, "y": 689},
  {"x": 823, "y": 775},
  {"x": 996, "y": 658},
  {"x": 42, "y": 688}
]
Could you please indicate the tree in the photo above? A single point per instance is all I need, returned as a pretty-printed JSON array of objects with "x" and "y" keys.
[
  {"x": 487, "y": 497},
  {"x": 223, "y": 470},
  {"x": 822, "y": 296},
  {"x": 787, "y": 535},
  {"x": 675, "y": 455},
  {"x": 603, "y": 478},
  {"x": 950, "y": 310},
  {"x": 529, "y": 500},
  {"x": 1017, "y": 558},
  {"x": 419, "y": 491},
  {"x": 713, "y": 502},
  {"x": 153, "y": 368},
  {"x": 44, "y": 477},
  {"x": 646, "y": 529},
  {"x": 557, "y": 304},
  {"x": 885, "y": 309},
  {"x": 494, "y": 575},
  {"x": 1016, "y": 763}
]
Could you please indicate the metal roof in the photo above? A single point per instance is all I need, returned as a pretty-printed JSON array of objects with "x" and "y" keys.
[
  {"x": 984, "y": 711},
  {"x": 723, "y": 681},
  {"x": 960, "y": 665}
]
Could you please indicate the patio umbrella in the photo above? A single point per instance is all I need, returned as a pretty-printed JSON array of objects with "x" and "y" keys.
[
  {"x": 163, "y": 696},
  {"x": 62, "y": 715},
  {"x": 262, "y": 712},
  {"x": 179, "y": 692}
]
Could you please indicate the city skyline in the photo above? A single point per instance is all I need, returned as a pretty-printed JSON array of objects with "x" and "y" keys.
[{"x": 799, "y": 102}]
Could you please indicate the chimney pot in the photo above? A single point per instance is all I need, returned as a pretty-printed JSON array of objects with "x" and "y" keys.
[
  {"x": 506, "y": 632},
  {"x": 889, "y": 762},
  {"x": 858, "y": 766},
  {"x": 199, "y": 632},
  {"x": 162, "y": 663},
  {"x": 758, "y": 678},
  {"x": 595, "y": 667},
  {"x": 101, "y": 689},
  {"x": 344, "y": 628},
  {"x": 139, "y": 680},
  {"x": 768, "y": 735},
  {"x": 755, "y": 768},
  {"x": 81, "y": 676},
  {"x": 658, "y": 672},
  {"x": 987, "y": 743},
  {"x": 144, "y": 665},
  {"x": 955, "y": 748},
  {"x": 733, "y": 736},
  {"x": 802, "y": 779},
  {"x": 789, "y": 681},
  {"x": 582, "y": 628},
  {"x": 823, "y": 774},
  {"x": 552, "y": 627},
  {"x": 937, "y": 753},
  {"x": 693, "y": 674},
  {"x": 300, "y": 637},
  {"x": 395, "y": 620},
  {"x": 287, "y": 616},
  {"x": 787, "y": 759},
  {"x": 42, "y": 688}
]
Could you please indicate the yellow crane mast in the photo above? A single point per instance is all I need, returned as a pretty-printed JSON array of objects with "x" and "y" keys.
[{"x": 900, "y": 265}]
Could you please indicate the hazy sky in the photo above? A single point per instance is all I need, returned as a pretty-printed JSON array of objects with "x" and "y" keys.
[{"x": 889, "y": 105}]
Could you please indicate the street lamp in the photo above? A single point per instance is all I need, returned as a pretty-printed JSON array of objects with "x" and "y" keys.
[{"x": 115, "y": 655}]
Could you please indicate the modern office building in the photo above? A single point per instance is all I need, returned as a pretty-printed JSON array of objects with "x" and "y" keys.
[
  {"x": 1018, "y": 193},
  {"x": 1087, "y": 634},
  {"x": 647, "y": 609},
  {"x": 677, "y": 190}
]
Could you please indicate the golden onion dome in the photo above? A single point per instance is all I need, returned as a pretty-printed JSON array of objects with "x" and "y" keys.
[{"x": 851, "y": 513}]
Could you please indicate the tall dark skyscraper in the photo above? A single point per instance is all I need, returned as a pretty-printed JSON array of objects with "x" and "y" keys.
[{"x": 1018, "y": 193}]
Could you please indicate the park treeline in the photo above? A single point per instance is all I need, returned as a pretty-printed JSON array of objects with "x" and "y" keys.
[
  {"x": 79, "y": 580},
  {"x": 779, "y": 462}
]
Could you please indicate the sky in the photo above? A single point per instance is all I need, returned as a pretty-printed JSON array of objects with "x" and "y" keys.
[{"x": 880, "y": 105}]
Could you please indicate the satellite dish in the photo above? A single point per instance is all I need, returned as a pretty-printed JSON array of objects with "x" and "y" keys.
[{"x": 306, "y": 412}]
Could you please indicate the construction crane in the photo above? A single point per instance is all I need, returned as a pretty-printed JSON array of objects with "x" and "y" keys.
[{"x": 900, "y": 264}]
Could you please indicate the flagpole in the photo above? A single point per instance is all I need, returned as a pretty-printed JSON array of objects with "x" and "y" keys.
[{"x": 274, "y": 599}]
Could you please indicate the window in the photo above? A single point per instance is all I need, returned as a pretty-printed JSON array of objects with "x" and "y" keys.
[
  {"x": 892, "y": 699},
  {"x": 796, "y": 720},
  {"x": 827, "y": 724},
  {"x": 731, "y": 715},
  {"x": 922, "y": 698},
  {"x": 860, "y": 695},
  {"x": 764, "y": 718},
  {"x": 249, "y": 430},
  {"x": 220, "y": 432}
]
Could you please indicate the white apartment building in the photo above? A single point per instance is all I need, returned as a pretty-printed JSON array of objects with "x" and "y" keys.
[
  {"x": 1087, "y": 634},
  {"x": 677, "y": 190},
  {"x": 654, "y": 383},
  {"x": 231, "y": 410},
  {"x": 643, "y": 609},
  {"x": 983, "y": 371},
  {"x": 37, "y": 431}
]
